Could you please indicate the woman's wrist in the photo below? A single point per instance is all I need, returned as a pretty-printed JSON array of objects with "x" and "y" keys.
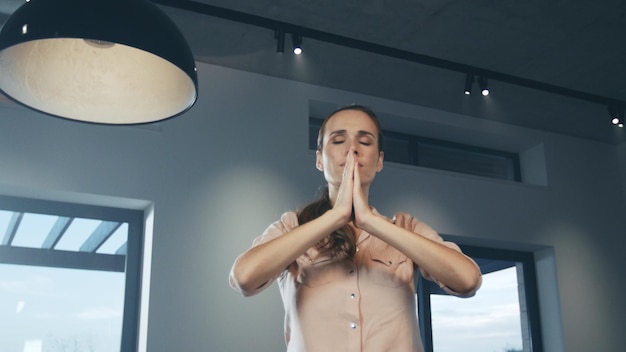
[
  {"x": 337, "y": 217},
  {"x": 367, "y": 221}
]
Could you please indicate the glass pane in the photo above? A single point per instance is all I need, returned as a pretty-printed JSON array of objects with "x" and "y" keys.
[
  {"x": 489, "y": 321},
  {"x": 46, "y": 309},
  {"x": 33, "y": 230},
  {"x": 116, "y": 241},
  {"x": 397, "y": 148},
  {"x": 457, "y": 159},
  {"x": 78, "y": 232}
]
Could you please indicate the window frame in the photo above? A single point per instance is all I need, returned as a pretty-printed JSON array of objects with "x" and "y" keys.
[
  {"x": 132, "y": 265},
  {"x": 426, "y": 288}
]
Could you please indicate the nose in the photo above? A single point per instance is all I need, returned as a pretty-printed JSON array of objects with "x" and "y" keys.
[{"x": 352, "y": 148}]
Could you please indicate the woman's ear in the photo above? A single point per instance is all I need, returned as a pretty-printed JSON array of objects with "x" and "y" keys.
[
  {"x": 318, "y": 161},
  {"x": 379, "y": 166}
]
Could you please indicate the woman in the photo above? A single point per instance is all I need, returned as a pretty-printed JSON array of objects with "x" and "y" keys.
[{"x": 344, "y": 271}]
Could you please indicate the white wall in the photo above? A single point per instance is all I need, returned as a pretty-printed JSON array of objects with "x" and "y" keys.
[{"x": 219, "y": 174}]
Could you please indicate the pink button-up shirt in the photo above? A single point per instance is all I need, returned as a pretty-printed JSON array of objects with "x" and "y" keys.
[{"x": 366, "y": 303}]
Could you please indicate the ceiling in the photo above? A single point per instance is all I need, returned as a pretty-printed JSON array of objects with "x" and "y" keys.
[{"x": 576, "y": 48}]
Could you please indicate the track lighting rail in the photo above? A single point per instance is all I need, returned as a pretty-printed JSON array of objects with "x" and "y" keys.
[{"x": 274, "y": 25}]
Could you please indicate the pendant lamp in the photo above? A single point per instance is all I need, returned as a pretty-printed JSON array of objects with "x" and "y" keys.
[{"x": 99, "y": 61}]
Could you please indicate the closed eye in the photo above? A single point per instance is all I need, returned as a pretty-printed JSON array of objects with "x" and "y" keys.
[{"x": 366, "y": 141}]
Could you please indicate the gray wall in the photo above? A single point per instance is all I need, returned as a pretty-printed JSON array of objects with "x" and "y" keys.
[{"x": 219, "y": 174}]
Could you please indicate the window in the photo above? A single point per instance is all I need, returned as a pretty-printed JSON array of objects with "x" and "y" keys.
[
  {"x": 442, "y": 155},
  {"x": 502, "y": 317},
  {"x": 69, "y": 276}
]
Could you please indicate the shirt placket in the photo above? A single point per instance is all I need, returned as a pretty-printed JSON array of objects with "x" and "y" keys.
[{"x": 353, "y": 302}]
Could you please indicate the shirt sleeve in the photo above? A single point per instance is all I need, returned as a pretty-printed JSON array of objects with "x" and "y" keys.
[
  {"x": 287, "y": 222},
  {"x": 410, "y": 223}
]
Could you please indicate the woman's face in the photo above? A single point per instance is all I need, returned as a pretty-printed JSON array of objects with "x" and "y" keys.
[{"x": 345, "y": 131}]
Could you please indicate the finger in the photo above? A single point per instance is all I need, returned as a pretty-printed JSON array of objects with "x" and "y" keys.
[
  {"x": 344, "y": 196},
  {"x": 358, "y": 198},
  {"x": 346, "y": 170},
  {"x": 357, "y": 191},
  {"x": 350, "y": 161},
  {"x": 347, "y": 181},
  {"x": 357, "y": 173}
]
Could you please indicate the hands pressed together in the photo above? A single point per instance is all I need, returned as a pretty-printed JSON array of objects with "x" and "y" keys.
[{"x": 351, "y": 201}]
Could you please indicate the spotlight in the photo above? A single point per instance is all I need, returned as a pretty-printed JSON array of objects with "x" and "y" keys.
[
  {"x": 616, "y": 113},
  {"x": 280, "y": 41},
  {"x": 297, "y": 43},
  {"x": 482, "y": 82},
  {"x": 469, "y": 80},
  {"x": 617, "y": 122}
]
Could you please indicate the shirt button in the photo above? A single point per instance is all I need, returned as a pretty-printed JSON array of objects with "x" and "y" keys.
[
  {"x": 352, "y": 295},
  {"x": 352, "y": 325}
]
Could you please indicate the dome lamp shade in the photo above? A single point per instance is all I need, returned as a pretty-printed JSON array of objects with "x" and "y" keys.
[{"x": 98, "y": 61}]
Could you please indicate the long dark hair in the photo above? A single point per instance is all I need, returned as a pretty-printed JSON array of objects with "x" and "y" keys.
[{"x": 343, "y": 241}]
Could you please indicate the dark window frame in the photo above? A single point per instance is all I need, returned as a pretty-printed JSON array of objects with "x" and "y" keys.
[
  {"x": 131, "y": 264},
  {"x": 490, "y": 260}
]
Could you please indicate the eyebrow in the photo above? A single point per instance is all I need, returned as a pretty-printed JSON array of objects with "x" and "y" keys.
[{"x": 360, "y": 133}]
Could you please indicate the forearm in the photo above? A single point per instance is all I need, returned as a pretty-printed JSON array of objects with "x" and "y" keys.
[
  {"x": 449, "y": 266},
  {"x": 259, "y": 264}
]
